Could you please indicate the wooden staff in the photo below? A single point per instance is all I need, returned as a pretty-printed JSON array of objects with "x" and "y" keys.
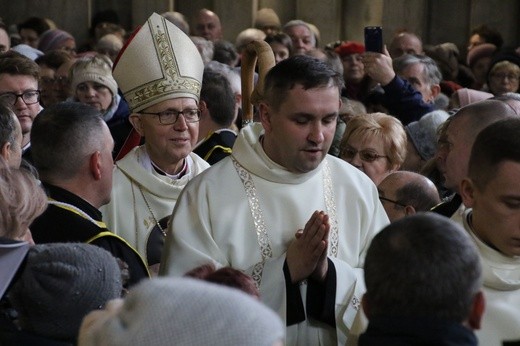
[{"x": 261, "y": 52}]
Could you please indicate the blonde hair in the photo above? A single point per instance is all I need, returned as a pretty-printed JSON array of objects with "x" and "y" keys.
[
  {"x": 382, "y": 126},
  {"x": 22, "y": 200},
  {"x": 505, "y": 64}
]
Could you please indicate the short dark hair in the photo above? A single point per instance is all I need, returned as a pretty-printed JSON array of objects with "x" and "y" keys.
[
  {"x": 14, "y": 63},
  {"x": 495, "y": 144},
  {"x": 37, "y": 24},
  {"x": 482, "y": 114},
  {"x": 300, "y": 69},
  {"x": 62, "y": 136},
  {"x": 216, "y": 92},
  {"x": 414, "y": 194},
  {"x": 280, "y": 38},
  {"x": 225, "y": 53},
  {"x": 54, "y": 58},
  {"x": 489, "y": 35},
  {"x": 7, "y": 125},
  {"x": 422, "y": 265}
]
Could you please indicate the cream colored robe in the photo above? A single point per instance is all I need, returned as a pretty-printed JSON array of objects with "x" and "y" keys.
[
  {"x": 501, "y": 320},
  {"x": 127, "y": 214},
  {"x": 213, "y": 222}
]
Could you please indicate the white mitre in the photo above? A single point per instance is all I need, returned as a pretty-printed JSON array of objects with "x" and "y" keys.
[{"x": 160, "y": 62}]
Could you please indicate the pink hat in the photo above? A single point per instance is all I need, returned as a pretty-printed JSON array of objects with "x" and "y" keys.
[
  {"x": 479, "y": 52},
  {"x": 468, "y": 96}
]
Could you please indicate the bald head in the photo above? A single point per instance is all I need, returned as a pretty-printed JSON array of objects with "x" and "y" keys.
[
  {"x": 405, "y": 43},
  {"x": 405, "y": 193},
  {"x": 207, "y": 25},
  {"x": 458, "y": 138},
  {"x": 480, "y": 115}
]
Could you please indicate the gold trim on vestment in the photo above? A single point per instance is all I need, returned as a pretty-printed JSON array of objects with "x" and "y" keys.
[{"x": 258, "y": 217}]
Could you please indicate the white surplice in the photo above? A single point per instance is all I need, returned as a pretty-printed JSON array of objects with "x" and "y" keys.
[{"x": 246, "y": 209}]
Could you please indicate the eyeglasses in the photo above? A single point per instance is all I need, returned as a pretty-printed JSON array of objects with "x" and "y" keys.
[
  {"x": 29, "y": 97},
  {"x": 392, "y": 201},
  {"x": 170, "y": 116},
  {"x": 501, "y": 76},
  {"x": 365, "y": 154}
]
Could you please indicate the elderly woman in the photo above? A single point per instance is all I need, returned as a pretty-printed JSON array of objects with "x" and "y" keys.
[
  {"x": 504, "y": 73},
  {"x": 374, "y": 143},
  {"x": 92, "y": 83}
]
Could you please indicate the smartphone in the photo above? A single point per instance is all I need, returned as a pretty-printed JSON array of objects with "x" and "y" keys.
[{"x": 374, "y": 39}]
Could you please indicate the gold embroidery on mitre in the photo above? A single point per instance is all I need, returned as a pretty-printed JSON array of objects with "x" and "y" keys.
[{"x": 172, "y": 82}]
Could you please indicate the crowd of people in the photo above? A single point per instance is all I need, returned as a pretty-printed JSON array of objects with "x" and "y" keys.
[{"x": 372, "y": 199}]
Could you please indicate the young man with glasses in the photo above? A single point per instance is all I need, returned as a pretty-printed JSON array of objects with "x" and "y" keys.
[
  {"x": 19, "y": 78},
  {"x": 164, "y": 102}
]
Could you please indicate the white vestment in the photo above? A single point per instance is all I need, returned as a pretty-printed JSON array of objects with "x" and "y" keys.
[
  {"x": 242, "y": 220},
  {"x": 501, "y": 321},
  {"x": 141, "y": 197}
]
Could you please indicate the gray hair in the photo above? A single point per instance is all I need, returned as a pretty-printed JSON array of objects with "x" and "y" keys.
[{"x": 432, "y": 73}]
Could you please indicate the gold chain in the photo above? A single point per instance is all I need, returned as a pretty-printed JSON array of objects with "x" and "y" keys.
[{"x": 151, "y": 212}]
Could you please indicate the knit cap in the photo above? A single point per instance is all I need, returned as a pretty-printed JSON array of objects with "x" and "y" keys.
[
  {"x": 60, "y": 284},
  {"x": 423, "y": 132},
  {"x": 267, "y": 17},
  {"x": 185, "y": 312},
  {"x": 53, "y": 39},
  {"x": 97, "y": 68}
]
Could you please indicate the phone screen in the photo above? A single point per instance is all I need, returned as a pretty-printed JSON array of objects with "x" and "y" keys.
[{"x": 374, "y": 39}]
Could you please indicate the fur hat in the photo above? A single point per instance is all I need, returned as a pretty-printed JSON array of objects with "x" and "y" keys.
[
  {"x": 97, "y": 68},
  {"x": 480, "y": 51},
  {"x": 60, "y": 284},
  {"x": 53, "y": 39},
  {"x": 423, "y": 132},
  {"x": 158, "y": 63},
  {"x": 349, "y": 47},
  {"x": 267, "y": 17},
  {"x": 182, "y": 311}
]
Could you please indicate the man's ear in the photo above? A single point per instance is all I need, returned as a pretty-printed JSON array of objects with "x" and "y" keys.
[
  {"x": 203, "y": 106},
  {"x": 95, "y": 165},
  {"x": 265, "y": 116},
  {"x": 436, "y": 90},
  {"x": 365, "y": 305},
  {"x": 135, "y": 120},
  {"x": 409, "y": 210},
  {"x": 477, "y": 310},
  {"x": 467, "y": 192},
  {"x": 5, "y": 151}
]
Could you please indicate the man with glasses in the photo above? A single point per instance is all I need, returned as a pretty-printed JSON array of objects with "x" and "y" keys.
[
  {"x": 163, "y": 95},
  {"x": 19, "y": 78},
  {"x": 405, "y": 193}
]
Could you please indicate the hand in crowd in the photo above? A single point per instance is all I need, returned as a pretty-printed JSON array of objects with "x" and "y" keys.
[
  {"x": 307, "y": 253},
  {"x": 379, "y": 66}
]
